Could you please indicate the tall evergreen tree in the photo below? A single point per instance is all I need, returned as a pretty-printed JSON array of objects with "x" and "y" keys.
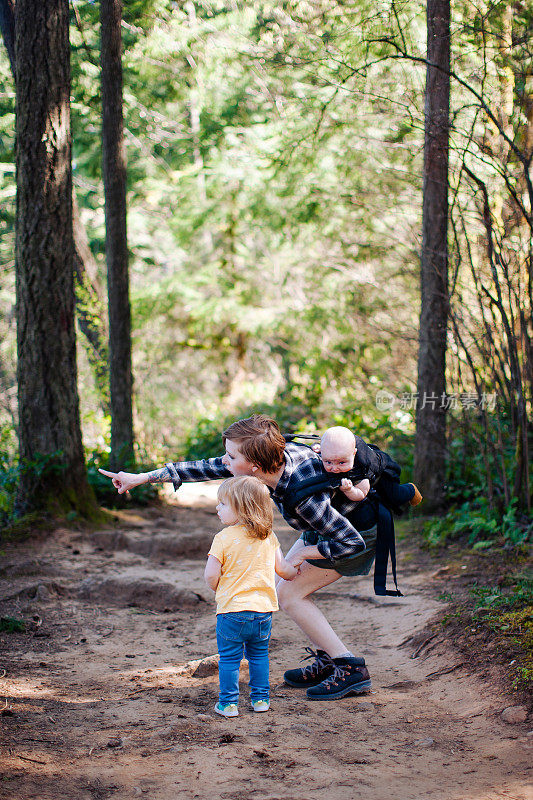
[
  {"x": 49, "y": 423},
  {"x": 114, "y": 172},
  {"x": 89, "y": 301},
  {"x": 430, "y": 447}
]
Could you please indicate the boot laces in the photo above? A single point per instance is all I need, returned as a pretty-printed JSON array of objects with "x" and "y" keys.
[
  {"x": 320, "y": 661},
  {"x": 337, "y": 674}
]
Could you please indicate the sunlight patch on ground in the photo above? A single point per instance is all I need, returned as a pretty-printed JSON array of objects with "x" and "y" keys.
[
  {"x": 192, "y": 494},
  {"x": 21, "y": 690}
]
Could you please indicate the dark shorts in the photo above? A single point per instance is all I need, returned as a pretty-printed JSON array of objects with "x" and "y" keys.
[{"x": 360, "y": 564}]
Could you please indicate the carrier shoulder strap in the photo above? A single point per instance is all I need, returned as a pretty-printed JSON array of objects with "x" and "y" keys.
[
  {"x": 294, "y": 495},
  {"x": 385, "y": 546},
  {"x": 290, "y": 437}
]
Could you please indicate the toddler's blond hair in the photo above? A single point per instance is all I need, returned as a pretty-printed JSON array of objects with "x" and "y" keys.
[{"x": 250, "y": 500}]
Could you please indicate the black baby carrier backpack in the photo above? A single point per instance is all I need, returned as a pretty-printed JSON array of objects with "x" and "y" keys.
[{"x": 372, "y": 463}]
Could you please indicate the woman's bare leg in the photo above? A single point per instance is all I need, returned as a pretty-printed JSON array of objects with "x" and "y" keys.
[{"x": 294, "y": 599}]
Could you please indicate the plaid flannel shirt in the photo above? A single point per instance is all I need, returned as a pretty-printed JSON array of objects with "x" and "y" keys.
[{"x": 315, "y": 513}]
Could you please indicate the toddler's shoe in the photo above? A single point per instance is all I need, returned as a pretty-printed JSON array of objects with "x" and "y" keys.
[
  {"x": 229, "y": 710},
  {"x": 416, "y": 498},
  {"x": 260, "y": 705}
]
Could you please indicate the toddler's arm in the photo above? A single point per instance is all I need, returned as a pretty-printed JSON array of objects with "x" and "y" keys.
[
  {"x": 212, "y": 572},
  {"x": 357, "y": 492},
  {"x": 283, "y": 568}
]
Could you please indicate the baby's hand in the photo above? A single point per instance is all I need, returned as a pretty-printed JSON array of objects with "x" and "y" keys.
[
  {"x": 346, "y": 485},
  {"x": 316, "y": 447}
]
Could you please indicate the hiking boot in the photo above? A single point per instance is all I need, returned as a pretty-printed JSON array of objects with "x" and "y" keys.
[
  {"x": 350, "y": 676},
  {"x": 314, "y": 673},
  {"x": 416, "y": 498}
]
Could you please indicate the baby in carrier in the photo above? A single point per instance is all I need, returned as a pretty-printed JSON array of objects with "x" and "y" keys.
[{"x": 368, "y": 467}]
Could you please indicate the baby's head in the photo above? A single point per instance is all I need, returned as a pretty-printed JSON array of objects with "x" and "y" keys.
[
  {"x": 246, "y": 501},
  {"x": 337, "y": 449}
]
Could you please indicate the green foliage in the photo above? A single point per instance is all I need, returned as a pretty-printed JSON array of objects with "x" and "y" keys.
[
  {"x": 479, "y": 468},
  {"x": 44, "y": 466},
  {"x": 9, "y": 473},
  {"x": 515, "y": 593},
  {"x": 11, "y": 469},
  {"x": 104, "y": 490},
  {"x": 502, "y": 614},
  {"x": 12, "y": 625},
  {"x": 205, "y": 440},
  {"x": 262, "y": 208},
  {"x": 481, "y": 456},
  {"x": 507, "y": 611},
  {"x": 483, "y": 527}
]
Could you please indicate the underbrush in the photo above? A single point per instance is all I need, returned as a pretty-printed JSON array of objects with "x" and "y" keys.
[
  {"x": 11, "y": 470},
  {"x": 105, "y": 492},
  {"x": 482, "y": 510},
  {"x": 492, "y": 621},
  {"x": 480, "y": 526}
]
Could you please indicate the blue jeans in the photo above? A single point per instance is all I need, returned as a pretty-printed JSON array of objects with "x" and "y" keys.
[{"x": 248, "y": 630}]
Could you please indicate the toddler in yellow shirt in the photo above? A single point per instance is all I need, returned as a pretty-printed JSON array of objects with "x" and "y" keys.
[{"x": 240, "y": 568}]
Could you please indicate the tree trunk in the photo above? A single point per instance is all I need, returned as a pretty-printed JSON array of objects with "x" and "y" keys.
[
  {"x": 114, "y": 172},
  {"x": 430, "y": 447},
  {"x": 90, "y": 306},
  {"x": 49, "y": 426}
]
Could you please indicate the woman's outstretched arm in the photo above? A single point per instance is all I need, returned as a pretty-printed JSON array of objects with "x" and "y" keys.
[
  {"x": 124, "y": 481},
  {"x": 177, "y": 472}
]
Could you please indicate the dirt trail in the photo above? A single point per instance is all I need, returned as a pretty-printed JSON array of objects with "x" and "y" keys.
[{"x": 101, "y": 701}]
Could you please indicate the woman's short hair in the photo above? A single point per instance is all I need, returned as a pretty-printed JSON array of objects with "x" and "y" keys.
[
  {"x": 260, "y": 441},
  {"x": 250, "y": 500}
]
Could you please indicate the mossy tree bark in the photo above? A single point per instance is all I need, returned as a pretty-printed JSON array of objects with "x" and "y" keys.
[
  {"x": 430, "y": 446},
  {"x": 114, "y": 172},
  {"x": 49, "y": 425}
]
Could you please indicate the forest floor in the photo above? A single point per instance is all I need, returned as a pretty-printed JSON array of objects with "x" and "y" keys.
[{"x": 103, "y": 696}]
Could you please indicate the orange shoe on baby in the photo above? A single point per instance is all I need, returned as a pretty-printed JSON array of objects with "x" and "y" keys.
[{"x": 416, "y": 498}]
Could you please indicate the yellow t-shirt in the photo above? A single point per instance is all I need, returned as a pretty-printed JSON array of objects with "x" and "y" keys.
[{"x": 247, "y": 579}]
